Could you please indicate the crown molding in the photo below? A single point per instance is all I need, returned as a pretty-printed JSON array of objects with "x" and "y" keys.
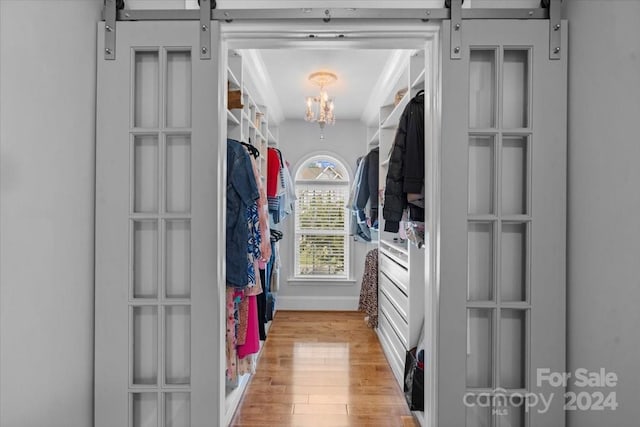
[
  {"x": 392, "y": 70},
  {"x": 261, "y": 84}
]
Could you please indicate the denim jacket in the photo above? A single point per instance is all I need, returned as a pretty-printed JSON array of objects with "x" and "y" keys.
[{"x": 242, "y": 190}]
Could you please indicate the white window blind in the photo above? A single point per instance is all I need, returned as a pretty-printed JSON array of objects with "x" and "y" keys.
[{"x": 322, "y": 243}]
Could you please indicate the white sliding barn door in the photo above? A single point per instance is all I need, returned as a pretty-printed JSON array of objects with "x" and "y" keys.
[
  {"x": 160, "y": 166},
  {"x": 503, "y": 224}
]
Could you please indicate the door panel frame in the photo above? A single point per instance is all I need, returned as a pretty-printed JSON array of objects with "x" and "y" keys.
[
  {"x": 372, "y": 34},
  {"x": 545, "y": 219},
  {"x": 114, "y": 212}
]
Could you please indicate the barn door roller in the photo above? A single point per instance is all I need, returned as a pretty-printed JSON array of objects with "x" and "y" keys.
[
  {"x": 205, "y": 27},
  {"x": 110, "y": 27},
  {"x": 456, "y": 27},
  {"x": 110, "y": 14},
  {"x": 555, "y": 12}
]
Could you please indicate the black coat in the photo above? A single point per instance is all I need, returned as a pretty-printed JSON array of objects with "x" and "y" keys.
[{"x": 406, "y": 165}]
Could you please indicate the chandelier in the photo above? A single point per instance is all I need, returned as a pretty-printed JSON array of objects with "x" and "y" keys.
[{"x": 320, "y": 108}]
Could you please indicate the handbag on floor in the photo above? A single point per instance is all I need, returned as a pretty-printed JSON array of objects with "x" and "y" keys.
[{"x": 414, "y": 381}]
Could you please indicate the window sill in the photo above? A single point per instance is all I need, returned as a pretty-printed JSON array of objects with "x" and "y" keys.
[{"x": 306, "y": 281}]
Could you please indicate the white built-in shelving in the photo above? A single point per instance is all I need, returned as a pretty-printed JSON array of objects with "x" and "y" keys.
[
  {"x": 249, "y": 124},
  {"x": 401, "y": 265}
]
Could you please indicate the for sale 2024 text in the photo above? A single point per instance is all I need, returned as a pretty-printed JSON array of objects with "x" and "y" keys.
[{"x": 584, "y": 400}]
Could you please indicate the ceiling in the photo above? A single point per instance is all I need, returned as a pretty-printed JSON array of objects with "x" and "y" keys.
[{"x": 285, "y": 74}]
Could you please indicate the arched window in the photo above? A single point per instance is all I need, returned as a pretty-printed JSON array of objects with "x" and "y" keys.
[{"x": 321, "y": 219}]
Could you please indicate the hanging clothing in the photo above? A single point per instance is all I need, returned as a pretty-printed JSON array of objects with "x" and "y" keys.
[
  {"x": 290, "y": 192},
  {"x": 280, "y": 192},
  {"x": 406, "y": 165},
  {"x": 231, "y": 340},
  {"x": 253, "y": 243},
  {"x": 243, "y": 320},
  {"x": 359, "y": 228},
  {"x": 273, "y": 172},
  {"x": 252, "y": 342},
  {"x": 242, "y": 191},
  {"x": 368, "y": 302},
  {"x": 368, "y": 187},
  {"x": 261, "y": 301},
  {"x": 263, "y": 215},
  {"x": 364, "y": 191}
]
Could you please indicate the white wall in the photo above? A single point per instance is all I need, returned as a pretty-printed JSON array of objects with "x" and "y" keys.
[
  {"x": 298, "y": 140},
  {"x": 47, "y": 85},
  {"x": 604, "y": 201}
]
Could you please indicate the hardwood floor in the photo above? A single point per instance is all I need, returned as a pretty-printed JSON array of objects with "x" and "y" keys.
[{"x": 322, "y": 369}]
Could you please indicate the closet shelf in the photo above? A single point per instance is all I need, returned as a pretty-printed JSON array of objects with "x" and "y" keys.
[
  {"x": 419, "y": 80},
  {"x": 253, "y": 126},
  {"x": 394, "y": 117},
  {"x": 253, "y": 103},
  {"x": 393, "y": 247},
  {"x": 259, "y": 134},
  {"x": 232, "y": 119},
  {"x": 375, "y": 139},
  {"x": 271, "y": 139},
  {"x": 233, "y": 79}
]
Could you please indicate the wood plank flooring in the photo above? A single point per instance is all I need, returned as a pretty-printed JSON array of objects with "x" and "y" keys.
[{"x": 322, "y": 369}]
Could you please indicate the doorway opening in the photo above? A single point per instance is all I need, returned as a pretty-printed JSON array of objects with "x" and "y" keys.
[{"x": 268, "y": 63}]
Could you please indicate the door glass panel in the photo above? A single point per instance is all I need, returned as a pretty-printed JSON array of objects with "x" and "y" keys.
[
  {"x": 145, "y": 345},
  {"x": 177, "y": 408},
  {"x": 178, "y": 259},
  {"x": 481, "y": 174},
  {"x": 146, "y": 88},
  {"x": 482, "y": 88},
  {"x": 480, "y": 261},
  {"x": 479, "y": 347},
  {"x": 145, "y": 153},
  {"x": 477, "y": 415},
  {"x": 512, "y": 348},
  {"x": 178, "y": 173},
  {"x": 514, "y": 175},
  {"x": 512, "y": 415},
  {"x": 145, "y": 259},
  {"x": 515, "y": 90},
  {"x": 178, "y": 89},
  {"x": 145, "y": 410},
  {"x": 513, "y": 264},
  {"x": 178, "y": 345}
]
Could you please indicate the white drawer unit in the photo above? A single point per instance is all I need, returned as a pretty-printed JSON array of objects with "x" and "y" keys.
[
  {"x": 392, "y": 347},
  {"x": 400, "y": 300},
  {"x": 395, "y": 269},
  {"x": 395, "y": 295},
  {"x": 398, "y": 323}
]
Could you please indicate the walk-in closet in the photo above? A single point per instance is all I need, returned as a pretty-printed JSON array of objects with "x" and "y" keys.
[
  {"x": 327, "y": 118},
  {"x": 388, "y": 167}
]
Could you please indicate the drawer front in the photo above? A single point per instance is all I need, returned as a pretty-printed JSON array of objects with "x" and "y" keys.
[
  {"x": 395, "y": 295},
  {"x": 396, "y": 321},
  {"x": 393, "y": 348},
  {"x": 396, "y": 272}
]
